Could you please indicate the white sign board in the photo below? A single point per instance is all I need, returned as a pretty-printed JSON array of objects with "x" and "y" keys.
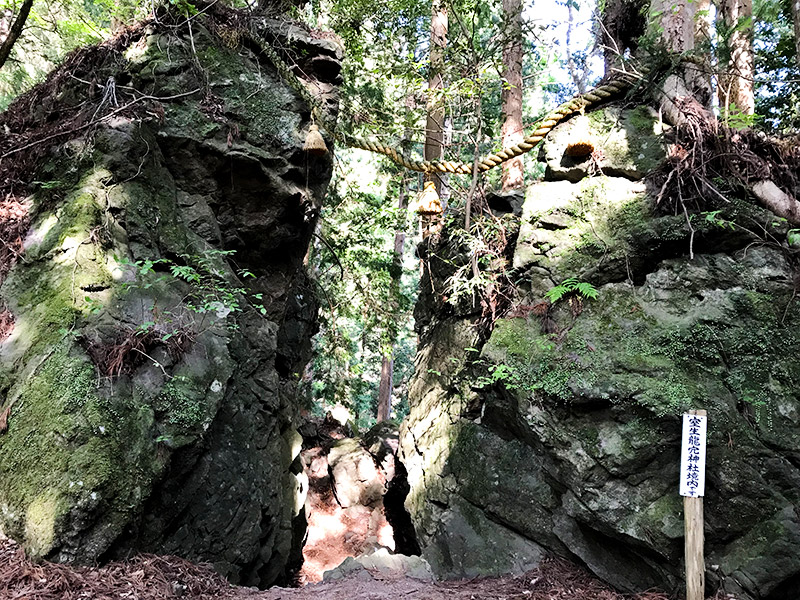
[{"x": 693, "y": 456}]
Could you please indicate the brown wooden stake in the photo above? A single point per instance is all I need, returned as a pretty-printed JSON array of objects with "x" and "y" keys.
[{"x": 693, "y": 521}]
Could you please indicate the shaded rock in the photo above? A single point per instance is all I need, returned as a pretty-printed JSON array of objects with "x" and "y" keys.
[
  {"x": 505, "y": 202},
  {"x": 160, "y": 313},
  {"x": 564, "y": 434}
]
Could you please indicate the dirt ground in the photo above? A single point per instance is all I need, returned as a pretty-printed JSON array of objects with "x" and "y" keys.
[{"x": 149, "y": 577}]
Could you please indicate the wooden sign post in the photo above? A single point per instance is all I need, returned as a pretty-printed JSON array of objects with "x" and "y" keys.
[{"x": 692, "y": 487}]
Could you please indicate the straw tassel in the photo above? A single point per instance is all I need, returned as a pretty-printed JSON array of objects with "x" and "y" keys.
[
  {"x": 428, "y": 202},
  {"x": 314, "y": 142},
  {"x": 581, "y": 143}
]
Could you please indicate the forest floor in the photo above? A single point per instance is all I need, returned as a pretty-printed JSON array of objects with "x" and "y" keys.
[{"x": 149, "y": 577}]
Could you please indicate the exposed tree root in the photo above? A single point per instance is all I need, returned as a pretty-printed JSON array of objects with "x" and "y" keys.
[{"x": 710, "y": 165}]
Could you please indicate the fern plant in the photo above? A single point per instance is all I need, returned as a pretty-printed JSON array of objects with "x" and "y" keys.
[{"x": 571, "y": 285}]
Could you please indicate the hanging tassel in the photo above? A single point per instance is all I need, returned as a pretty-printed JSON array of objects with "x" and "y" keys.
[
  {"x": 428, "y": 203},
  {"x": 314, "y": 142},
  {"x": 580, "y": 141}
]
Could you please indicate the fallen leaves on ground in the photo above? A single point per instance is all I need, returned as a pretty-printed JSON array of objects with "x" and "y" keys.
[{"x": 150, "y": 577}]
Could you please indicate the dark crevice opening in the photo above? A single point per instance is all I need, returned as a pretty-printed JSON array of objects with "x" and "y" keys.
[{"x": 405, "y": 536}]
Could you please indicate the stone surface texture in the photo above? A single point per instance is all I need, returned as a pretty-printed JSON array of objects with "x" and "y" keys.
[
  {"x": 559, "y": 430},
  {"x": 355, "y": 500},
  {"x": 162, "y": 311}
]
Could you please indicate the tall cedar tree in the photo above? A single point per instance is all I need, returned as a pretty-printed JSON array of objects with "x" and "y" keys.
[
  {"x": 796, "y": 17},
  {"x": 736, "y": 76},
  {"x": 385, "y": 388},
  {"x": 513, "y": 170},
  {"x": 434, "y": 127}
]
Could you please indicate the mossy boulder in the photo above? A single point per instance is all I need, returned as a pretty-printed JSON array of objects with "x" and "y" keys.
[
  {"x": 561, "y": 426},
  {"x": 628, "y": 142},
  {"x": 149, "y": 378}
]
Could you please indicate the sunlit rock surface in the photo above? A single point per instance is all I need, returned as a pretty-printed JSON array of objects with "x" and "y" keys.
[
  {"x": 161, "y": 308},
  {"x": 355, "y": 500},
  {"x": 564, "y": 435}
]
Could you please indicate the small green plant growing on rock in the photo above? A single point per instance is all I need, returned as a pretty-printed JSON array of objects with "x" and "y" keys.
[
  {"x": 501, "y": 373},
  {"x": 174, "y": 328},
  {"x": 571, "y": 286},
  {"x": 713, "y": 219},
  {"x": 211, "y": 292}
]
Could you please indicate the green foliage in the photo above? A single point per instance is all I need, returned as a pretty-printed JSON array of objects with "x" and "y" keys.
[
  {"x": 184, "y": 7},
  {"x": 366, "y": 293},
  {"x": 502, "y": 374},
  {"x": 533, "y": 365},
  {"x": 212, "y": 291},
  {"x": 777, "y": 73},
  {"x": 52, "y": 30},
  {"x": 571, "y": 286},
  {"x": 713, "y": 219},
  {"x": 736, "y": 119}
]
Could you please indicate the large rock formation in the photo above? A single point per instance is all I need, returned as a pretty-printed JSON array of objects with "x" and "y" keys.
[
  {"x": 161, "y": 313},
  {"x": 558, "y": 430}
]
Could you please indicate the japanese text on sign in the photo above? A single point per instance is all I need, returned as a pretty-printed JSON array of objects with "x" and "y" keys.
[{"x": 693, "y": 456}]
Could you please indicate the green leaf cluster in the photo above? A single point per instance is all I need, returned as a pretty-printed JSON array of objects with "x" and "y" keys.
[{"x": 569, "y": 286}]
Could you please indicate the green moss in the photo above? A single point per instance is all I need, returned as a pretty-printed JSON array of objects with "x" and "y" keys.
[
  {"x": 531, "y": 363},
  {"x": 240, "y": 90},
  {"x": 65, "y": 443},
  {"x": 668, "y": 395},
  {"x": 592, "y": 190},
  {"x": 49, "y": 290},
  {"x": 514, "y": 337},
  {"x": 40, "y": 520},
  {"x": 181, "y": 405},
  {"x": 642, "y": 120},
  {"x": 189, "y": 117},
  {"x": 664, "y": 515},
  {"x": 43, "y": 426},
  {"x": 588, "y": 435},
  {"x": 755, "y": 544},
  {"x": 65, "y": 446}
]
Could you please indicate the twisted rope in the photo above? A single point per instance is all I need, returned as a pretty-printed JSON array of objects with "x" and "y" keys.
[{"x": 542, "y": 128}]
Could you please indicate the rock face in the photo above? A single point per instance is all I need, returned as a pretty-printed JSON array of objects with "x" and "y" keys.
[
  {"x": 161, "y": 311},
  {"x": 355, "y": 499},
  {"x": 559, "y": 430}
]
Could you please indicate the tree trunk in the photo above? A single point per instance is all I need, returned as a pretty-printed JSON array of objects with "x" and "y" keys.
[
  {"x": 685, "y": 92},
  {"x": 386, "y": 384},
  {"x": 796, "y": 19},
  {"x": 736, "y": 77},
  {"x": 14, "y": 31},
  {"x": 513, "y": 170},
  {"x": 623, "y": 23},
  {"x": 703, "y": 24},
  {"x": 434, "y": 127},
  {"x": 385, "y": 388}
]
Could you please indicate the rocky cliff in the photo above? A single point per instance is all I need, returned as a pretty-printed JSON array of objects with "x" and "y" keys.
[
  {"x": 158, "y": 312},
  {"x": 556, "y": 429}
]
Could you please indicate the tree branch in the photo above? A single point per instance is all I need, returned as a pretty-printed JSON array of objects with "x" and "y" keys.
[{"x": 15, "y": 31}]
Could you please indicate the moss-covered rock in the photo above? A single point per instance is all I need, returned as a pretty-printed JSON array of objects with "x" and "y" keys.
[
  {"x": 628, "y": 143},
  {"x": 151, "y": 404},
  {"x": 564, "y": 431}
]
